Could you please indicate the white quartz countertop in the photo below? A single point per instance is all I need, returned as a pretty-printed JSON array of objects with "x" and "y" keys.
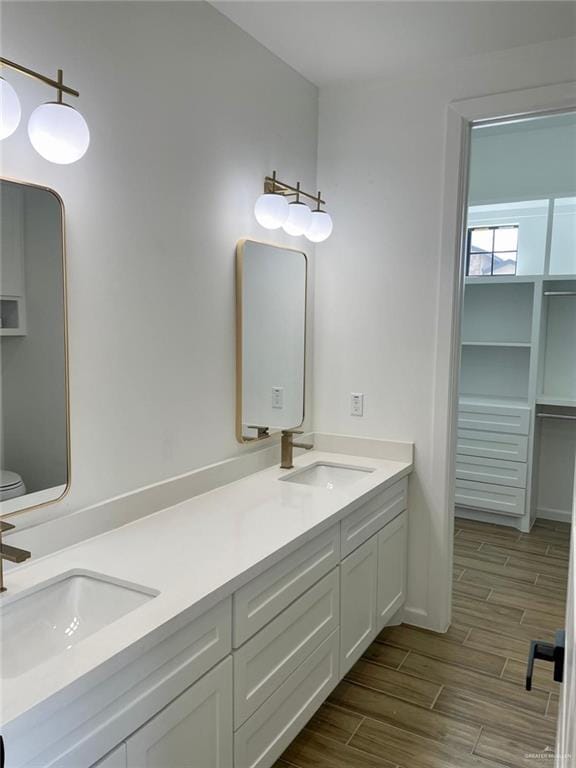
[{"x": 194, "y": 554}]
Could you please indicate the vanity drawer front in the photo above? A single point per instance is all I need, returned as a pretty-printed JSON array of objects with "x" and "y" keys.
[
  {"x": 494, "y": 418},
  {"x": 493, "y": 498},
  {"x": 496, "y": 471},
  {"x": 265, "y": 661},
  {"x": 263, "y": 598},
  {"x": 492, "y": 445},
  {"x": 372, "y": 516},
  {"x": 263, "y": 738}
]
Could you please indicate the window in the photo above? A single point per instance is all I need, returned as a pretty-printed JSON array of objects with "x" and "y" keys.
[{"x": 492, "y": 251}]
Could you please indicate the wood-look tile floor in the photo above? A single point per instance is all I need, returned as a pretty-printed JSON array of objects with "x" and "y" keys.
[{"x": 423, "y": 700}]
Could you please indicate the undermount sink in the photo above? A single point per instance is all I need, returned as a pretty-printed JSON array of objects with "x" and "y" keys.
[
  {"x": 52, "y": 618},
  {"x": 327, "y": 475}
]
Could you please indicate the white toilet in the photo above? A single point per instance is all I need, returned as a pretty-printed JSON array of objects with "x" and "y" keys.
[{"x": 11, "y": 485}]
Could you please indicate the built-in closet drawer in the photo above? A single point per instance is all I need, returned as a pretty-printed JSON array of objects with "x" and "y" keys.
[
  {"x": 494, "y": 498},
  {"x": 263, "y": 738},
  {"x": 494, "y": 418},
  {"x": 263, "y": 663},
  {"x": 492, "y": 445},
  {"x": 267, "y": 595},
  {"x": 495, "y": 471},
  {"x": 368, "y": 519}
]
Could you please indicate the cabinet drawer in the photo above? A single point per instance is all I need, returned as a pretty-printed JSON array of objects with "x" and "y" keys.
[
  {"x": 263, "y": 738},
  {"x": 263, "y": 598},
  {"x": 265, "y": 661},
  {"x": 392, "y": 543},
  {"x": 494, "y": 418},
  {"x": 372, "y": 516},
  {"x": 492, "y": 445},
  {"x": 494, "y": 498},
  {"x": 496, "y": 471}
]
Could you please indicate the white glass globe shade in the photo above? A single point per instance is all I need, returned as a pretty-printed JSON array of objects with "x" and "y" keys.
[
  {"x": 298, "y": 220},
  {"x": 58, "y": 132},
  {"x": 320, "y": 227},
  {"x": 271, "y": 210},
  {"x": 9, "y": 109}
]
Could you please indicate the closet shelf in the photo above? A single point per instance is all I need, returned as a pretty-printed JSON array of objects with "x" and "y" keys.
[
  {"x": 521, "y": 344},
  {"x": 558, "y": 401}
]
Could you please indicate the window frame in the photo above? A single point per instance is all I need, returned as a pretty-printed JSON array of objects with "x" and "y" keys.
[{"x": 492, "y": 228}]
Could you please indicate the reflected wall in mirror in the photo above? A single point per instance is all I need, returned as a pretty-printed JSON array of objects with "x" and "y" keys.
[
  {"x": 34, "y": 414},
  {"x": 271, "y": 338}
]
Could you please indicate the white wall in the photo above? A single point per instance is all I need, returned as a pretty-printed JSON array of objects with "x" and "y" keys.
[
  {"x": 187, "y": 114},
  {"x": 382, "y": 158}
]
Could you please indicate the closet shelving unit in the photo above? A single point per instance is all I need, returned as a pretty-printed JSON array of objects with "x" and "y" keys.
[{"x": 518, "y": 369}]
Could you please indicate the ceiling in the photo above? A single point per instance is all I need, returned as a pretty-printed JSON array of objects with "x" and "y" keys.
[{"x": 330, "y": 41}]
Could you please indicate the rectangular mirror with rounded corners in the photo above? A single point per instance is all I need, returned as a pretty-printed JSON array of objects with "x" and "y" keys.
[
  {"x": 270, "y": 338},
  {"x": 34, "y": 410}
]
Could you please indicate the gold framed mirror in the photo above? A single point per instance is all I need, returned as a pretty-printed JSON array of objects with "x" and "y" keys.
[
  {"x": 34, "y": 375},
  {"x": 271, "y": 302}
]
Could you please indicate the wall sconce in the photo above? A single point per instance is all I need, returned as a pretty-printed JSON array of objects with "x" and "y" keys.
[
  {"x": 272, "y": 211},
  {"x": 56, "y": 130}
]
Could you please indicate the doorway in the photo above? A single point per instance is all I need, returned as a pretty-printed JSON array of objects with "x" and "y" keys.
[{"x": 513, "y": 437}]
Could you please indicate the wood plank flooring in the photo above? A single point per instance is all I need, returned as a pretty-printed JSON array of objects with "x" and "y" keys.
[{"x": 423, "y": 700}]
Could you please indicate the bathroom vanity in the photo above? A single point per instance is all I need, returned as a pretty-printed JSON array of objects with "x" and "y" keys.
[{"x": 244, "y": 608}]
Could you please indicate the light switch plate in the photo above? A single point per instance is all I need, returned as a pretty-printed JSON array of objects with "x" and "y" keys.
[
  {"x": 356, "y": 404},
  {"x": 278, "y": 397}
]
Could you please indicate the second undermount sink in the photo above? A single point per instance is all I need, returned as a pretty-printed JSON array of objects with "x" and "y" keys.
[
  {"x": 50, "y": 619},
  {"x": 328, "y": 475}
]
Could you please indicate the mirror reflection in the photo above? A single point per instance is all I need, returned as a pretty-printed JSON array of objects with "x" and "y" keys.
[
  {"x": 33, "y": 376},
  {"x": 271, "y": 292}
]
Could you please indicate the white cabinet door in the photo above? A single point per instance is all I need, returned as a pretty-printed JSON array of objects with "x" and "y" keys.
[
  {"x": 391, "y": 569},
  {"x": 358, "y": 587},
  {"x": 194, "y": 731},
  {"x": 116, "y": 759}
]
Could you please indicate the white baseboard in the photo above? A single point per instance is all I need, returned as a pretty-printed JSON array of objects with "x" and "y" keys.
[
  {"x": 560, "y": 515},
  {"x": 418, "y": 617},
  {"x": 467, "y": 513}
]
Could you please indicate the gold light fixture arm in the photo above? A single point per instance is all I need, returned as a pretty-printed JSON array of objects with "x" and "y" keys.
[
  {"x": 58, "y": 84},
  {"x": 273, "y": 184}
]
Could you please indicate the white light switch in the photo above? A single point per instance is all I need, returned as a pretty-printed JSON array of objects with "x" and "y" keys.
[
  {"x": 357, "y": 404},
  {"x": 278, "y": 397}
]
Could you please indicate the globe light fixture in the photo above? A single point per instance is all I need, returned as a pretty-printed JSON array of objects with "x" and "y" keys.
[
  {"x": 320, "y": 227},
  {"x": 271, "y": 209},
  {"x": 10, "y": 111},
  {"x": 299, "y": 216},
  {"x": 59, "y": 133},
  {"x": 298, "y": 220}
]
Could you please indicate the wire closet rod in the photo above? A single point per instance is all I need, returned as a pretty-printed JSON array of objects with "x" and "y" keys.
[
  {"x": 556, "y": 416},
  {"x": 559, "y": 293}
]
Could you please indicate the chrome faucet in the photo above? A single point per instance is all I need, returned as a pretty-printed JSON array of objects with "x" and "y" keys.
[
  {"x": 288, "y": 446},
  {"x": 13, "y": 554}
]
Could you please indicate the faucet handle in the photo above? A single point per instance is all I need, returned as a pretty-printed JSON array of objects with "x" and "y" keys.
[
  {"x": 292, "y": 431},
  {"x": 4, "y": 526}
]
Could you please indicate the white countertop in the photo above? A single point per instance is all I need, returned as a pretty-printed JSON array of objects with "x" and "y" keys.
[{"x": 194, "y": 554}]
